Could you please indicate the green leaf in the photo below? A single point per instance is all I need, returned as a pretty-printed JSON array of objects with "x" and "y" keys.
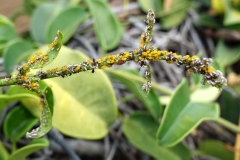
[
  {"x": 156, "y": 5},
  {"x": 30, "y": 6},
  {"x": 41, "y": 16},
  {"x": 32, "y": 147},
  {"x": 5, "y": 21},
  {"x": 151, "y": 102},
  {"x": 175, "y": 14},
  {"x": 207, "y": 20},
  {"x": 7, "y": 33},
  {"x": 182, "y": 151},
  {"x": 227, "y": 55},
  {"x": 38, "y": 61},
  {"x": 107, "y": 27},
  {"x": 50, "y": 98},
  {"x": 230, "y": 108},
  {"x": 232, "y": 16},
  {"x": 140, "y": 129},
  {"x": 3, "y": 152},
  {"x": 205, "y": 94},
  {"x": 29, "y": 99},
  {"x": 215, "y": 149},
  {"x": 181, "y": 116},
  {"x": 15, "y": 49},
  {"x": 71, "y": 16},
  {"x": 18, "y": 121},
  {"x": 85, "y": 103}
]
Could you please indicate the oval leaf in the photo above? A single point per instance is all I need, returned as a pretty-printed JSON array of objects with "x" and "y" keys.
[
  {"x": 29, "y": 99},
  {"x": 71, "y": 16},
  {"x": 231, "y": 16},
  {"x": 18, "y": 121},
  {"x": 174, "y": 13},
  {"x": 107, "y": 27},
  {"x": 140, "y": 129},
  {"x": 41, "y": 16},
  {"x": 215, "y": 149},
  {"x": 151, "y": 102},
  {"x": 183, "y": 116},
  {"x": 85, "y": 103},
  {"x": 15, "y": 50},
  {"x": 227, "y": 55},
  {"x": 34, "y": 146}
]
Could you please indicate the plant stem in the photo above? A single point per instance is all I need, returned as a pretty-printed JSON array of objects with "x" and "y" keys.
[{"x": 232, "y": 127}]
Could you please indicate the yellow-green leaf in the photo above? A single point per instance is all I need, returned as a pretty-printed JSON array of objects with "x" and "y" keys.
[{"x": 85, "y": 103}]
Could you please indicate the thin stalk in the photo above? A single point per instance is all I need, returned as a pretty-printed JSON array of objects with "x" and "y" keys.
[{"x": 232, "y": 127}]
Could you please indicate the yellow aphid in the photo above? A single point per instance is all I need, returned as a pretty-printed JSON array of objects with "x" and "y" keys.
[
  {"x": 39, "y": 54},
  {"x": 50, "y": 45},
  {"x": 99, "y": 61},
  {"x": 24, "y": 65},
  {"x": 55, "y": 42},
  {"x": 194, "y": 57},
  {"x": 77, "y": 68},
  {"x": 141, "y": 45},
  {"x": 141, "y": 39},
  {"x": 124, "y": 59},
  {"x": 135, "y": 51},
  {"x": 32, "y": 59},
  {"x": 204, "y": 68},
  {"x": 102, "y": 67},
  {"x": 45, "y": 58},
  {"x": 54, "y": 70},
  {"x": 64, "y": 68},
  {"x": 90, "y": 61},
  {"x": 187, "y": 57},
  {"x": 189, "y": 72},
  {"x": 25, "y": 78},
  {"x": 144, "y": 53},
  {"x": 210, "y": 69}
]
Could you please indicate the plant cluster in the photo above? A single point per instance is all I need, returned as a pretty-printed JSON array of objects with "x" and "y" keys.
[
  {"x": 155, "y": 130},
  {"x": 141, "y": 56}
]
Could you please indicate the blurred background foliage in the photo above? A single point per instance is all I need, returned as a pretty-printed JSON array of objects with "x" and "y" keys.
[{"x": 110, "y": 106}]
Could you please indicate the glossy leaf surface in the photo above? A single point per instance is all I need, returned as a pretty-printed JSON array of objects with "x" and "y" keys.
[
  {"x": 173, "y": 13},
  {"x": 227, "y": 55},
  {"x": 18, "y": 121},
  {"x": 34, "y": 146},
  {"x": 181, "y": 116},
  {"x": 140, "y": 129},
  {"x": 41, "y": 16},
  {"x": 15, "y": 49}
]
